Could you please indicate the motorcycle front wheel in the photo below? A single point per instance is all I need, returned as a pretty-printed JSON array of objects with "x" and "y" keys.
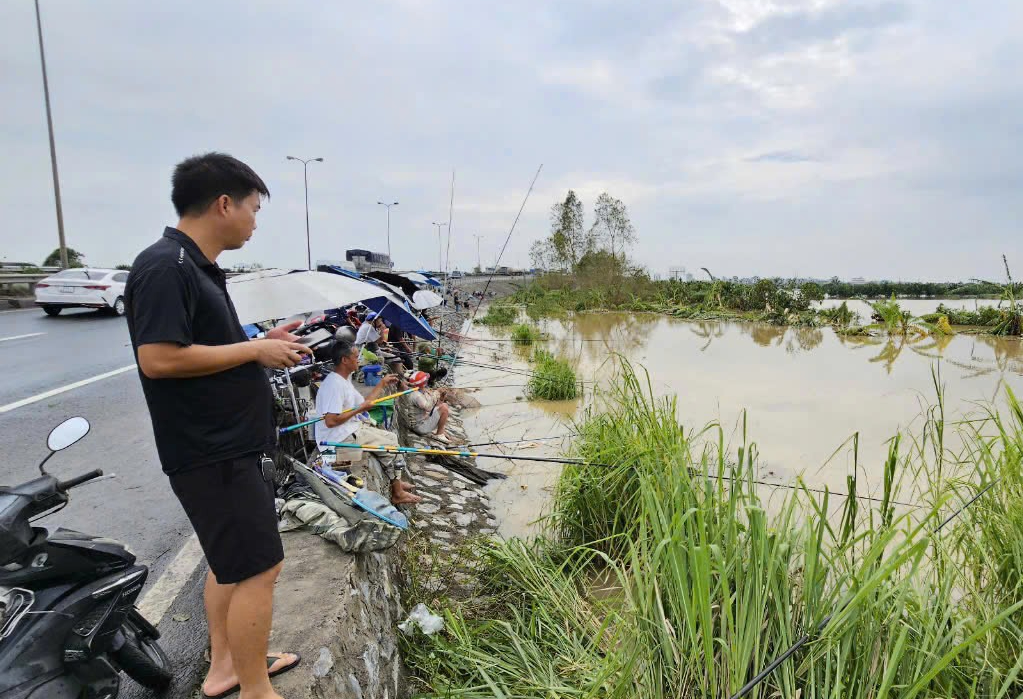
[{"x": 142, "y": 658}]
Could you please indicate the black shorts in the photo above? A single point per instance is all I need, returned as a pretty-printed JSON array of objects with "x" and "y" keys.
[{"x": 231, "y": 508}]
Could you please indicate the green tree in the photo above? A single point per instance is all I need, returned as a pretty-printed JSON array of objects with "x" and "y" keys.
[
  {"x": 811, "y": 291},
  {"x": 612, "y": 225},
  {"x": 126, "y": 268},
  {"x": 74, "y": 258},
  {"x": 569, "y": 239},
  {"x": 541, "y": 252}
]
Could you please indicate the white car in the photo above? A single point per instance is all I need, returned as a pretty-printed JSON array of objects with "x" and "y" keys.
[{"x": 82, "y": 287}]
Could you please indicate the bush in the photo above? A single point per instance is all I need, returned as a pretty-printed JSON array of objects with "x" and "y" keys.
[
  {"x": 523, "y": 334},
  {"x": 553, "y": 378},
  {"x": 499, "y": 315}
]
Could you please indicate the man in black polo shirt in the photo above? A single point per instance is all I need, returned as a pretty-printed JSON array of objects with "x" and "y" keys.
[{"x": 211, "y": 407}]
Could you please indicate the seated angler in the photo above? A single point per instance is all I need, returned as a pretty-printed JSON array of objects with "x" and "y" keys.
[
  {"x": 341, "y": 404},
  {"x": 426, "y": 411}
]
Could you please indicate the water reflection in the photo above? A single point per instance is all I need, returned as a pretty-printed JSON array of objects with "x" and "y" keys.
[
  {"x": 594, "y": 336},
  {"x": 589, "y": 338},
  {"x": 800, "y": 392}
]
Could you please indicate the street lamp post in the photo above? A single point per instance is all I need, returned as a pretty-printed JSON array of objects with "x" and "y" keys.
[
  {"x": 305, "y": 177},
  {"x": 388, "y": 225},
  {"x": 53, "y": 148},
  {"x": 440, "y": 248}
]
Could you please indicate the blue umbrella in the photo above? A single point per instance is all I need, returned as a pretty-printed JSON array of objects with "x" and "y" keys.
[
  {"x": 392, "y": 305},
  {"x": 402, "y": 316}
]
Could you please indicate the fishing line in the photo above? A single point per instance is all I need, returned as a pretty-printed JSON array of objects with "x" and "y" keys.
[{"x": 503, "y": 247}]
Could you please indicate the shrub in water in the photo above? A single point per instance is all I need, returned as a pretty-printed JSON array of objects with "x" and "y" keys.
[
  {"x": 553, "y": 378},
  {"x": 523, "y": 334},
  {"x": 500, "y": 315}
]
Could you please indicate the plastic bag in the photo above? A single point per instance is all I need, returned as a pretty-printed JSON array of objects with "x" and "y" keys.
[{"x": 422, "y": 617}]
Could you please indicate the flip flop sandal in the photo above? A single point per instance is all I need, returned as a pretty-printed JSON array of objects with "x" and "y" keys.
[{"x": 270, "y": 660}]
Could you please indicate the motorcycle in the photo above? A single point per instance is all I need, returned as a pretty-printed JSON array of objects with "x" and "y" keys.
[{"x": 68, "y": 621}]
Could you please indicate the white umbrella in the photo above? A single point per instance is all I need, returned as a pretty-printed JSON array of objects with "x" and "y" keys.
[
  {"x": 426, "y": 299},
  {"x": 278, "y": 293}
]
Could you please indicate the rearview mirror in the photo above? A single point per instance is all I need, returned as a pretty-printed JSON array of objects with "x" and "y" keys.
[{"x": 67, "y": 433}]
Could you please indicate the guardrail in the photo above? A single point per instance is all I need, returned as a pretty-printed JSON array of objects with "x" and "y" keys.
[{"x": 22, "y": 278}]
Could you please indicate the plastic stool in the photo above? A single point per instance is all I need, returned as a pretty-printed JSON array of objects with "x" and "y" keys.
[{"x": 371, "y": 374}]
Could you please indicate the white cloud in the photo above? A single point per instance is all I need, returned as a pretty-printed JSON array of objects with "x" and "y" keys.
[{"x": 814, "y": 125}]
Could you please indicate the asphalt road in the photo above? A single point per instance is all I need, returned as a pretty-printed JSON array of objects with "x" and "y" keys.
[{"x": 137, "y": 507}]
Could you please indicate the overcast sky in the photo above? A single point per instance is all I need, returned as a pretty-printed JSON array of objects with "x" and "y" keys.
[{"x": 796, "y": 137}]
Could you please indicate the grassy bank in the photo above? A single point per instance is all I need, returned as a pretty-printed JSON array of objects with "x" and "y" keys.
[
  {"x": 711, "y": 581},
  {"x": 767, "y": 300}
]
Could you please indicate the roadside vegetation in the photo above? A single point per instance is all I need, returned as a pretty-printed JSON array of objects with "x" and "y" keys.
[{"x": 673, "y": 574}]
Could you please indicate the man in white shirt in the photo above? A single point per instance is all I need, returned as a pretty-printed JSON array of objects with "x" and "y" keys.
[{"x": 341, "y": 404}]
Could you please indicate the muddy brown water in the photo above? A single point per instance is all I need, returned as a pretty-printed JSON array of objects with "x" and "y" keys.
[{"x": 805, "y": 391}]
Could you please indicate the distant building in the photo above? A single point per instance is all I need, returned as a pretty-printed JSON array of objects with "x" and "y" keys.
[
  {"x": 343, "y": 264},
  {"x": 368, "y": 261},
  {"x": 857, "y": 280}
]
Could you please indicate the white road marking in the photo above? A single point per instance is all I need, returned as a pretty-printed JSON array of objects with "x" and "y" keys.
[
  {"x": 63, "y": 389},
  {"x": 19, "y": 310},
  {"x": 158, "y": 598},
  {"x": 20, "y": 337}
]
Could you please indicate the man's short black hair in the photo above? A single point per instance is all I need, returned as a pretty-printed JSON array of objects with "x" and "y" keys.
[
  {"x": 198, "y": 181},
  {"x": 339, "y": 350}
]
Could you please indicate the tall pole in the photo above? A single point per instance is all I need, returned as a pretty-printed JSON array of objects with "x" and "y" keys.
[
  {"x": 53, "y": 148},
  {"x": 440, "y": 248},
  {"x": 394, "y": 203},
  {"x": 479, "y": 262},
  {"x": 308, "y": 241},
  {"x": 305, "y": 179}
]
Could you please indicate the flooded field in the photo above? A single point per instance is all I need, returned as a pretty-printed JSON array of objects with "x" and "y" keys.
[
  {"x": 805, "y": 391},
  {"x": 917, "y": 307}
]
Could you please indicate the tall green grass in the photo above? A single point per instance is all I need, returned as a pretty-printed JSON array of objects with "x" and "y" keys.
[
  {"x": 552, "y": 379},
  {"x": 525, "y": 334},
  {"x": 717, "y": 577},
  {"x": 499, "y": 314}
]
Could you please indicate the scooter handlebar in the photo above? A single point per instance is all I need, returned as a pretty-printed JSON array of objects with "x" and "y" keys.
[{"x": 78, "y": 480}]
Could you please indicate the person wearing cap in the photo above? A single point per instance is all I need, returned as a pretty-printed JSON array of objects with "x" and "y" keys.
[
  {"x": 341, "y": 406},
  {"x": 369, "y": 332},
  {"x": 424, "y": 411}
]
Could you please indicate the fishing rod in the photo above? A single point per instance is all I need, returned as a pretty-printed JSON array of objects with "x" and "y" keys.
[
  {"x": 292, "y": 428},
  {"x": 791, "y": 650},
  {"x": 511, "y": 230},
  {"x": 575, "y": 338},
  {"x": 495, "y": 367},
  {"x": 481, "y": 365},
  {"x": 574, "y": 462},
  {"x": 520, "y": 441},
  {"x": 451, "y": 452}
]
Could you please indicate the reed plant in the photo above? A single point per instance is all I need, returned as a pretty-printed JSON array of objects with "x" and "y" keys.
[
  {"x": 525, "y": 334},
  {"x": 499, "y": 315},
  {"x": 552, "y": 379}
]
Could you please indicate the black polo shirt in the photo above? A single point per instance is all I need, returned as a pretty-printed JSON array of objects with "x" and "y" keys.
[{"x": 174, "y": 294}]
